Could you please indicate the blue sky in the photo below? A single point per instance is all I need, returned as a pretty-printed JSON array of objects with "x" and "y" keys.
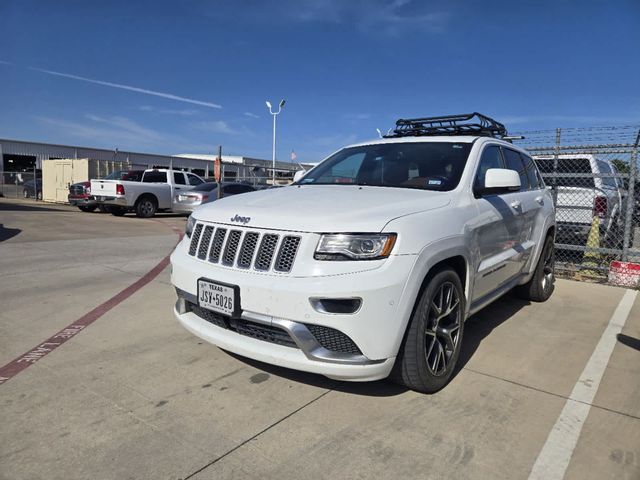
[{"x": 176, "y": 77}]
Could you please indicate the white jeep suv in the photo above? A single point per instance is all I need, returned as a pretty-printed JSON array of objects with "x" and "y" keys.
[{"x": 369, "y": 265}]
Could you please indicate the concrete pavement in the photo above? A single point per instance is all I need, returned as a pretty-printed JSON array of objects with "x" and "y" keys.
[{"x": 135, "y": 396}]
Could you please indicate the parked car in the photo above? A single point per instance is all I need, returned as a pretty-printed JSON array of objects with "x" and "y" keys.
[
  {"x": 205, "y": 193},
  {"x": 80, "y": 193},
  {"x": 32, "y": 189},
  {"x": 155, "y": 191},
  {"x": 369, "y": 265},
  {"x": 584, "y": 191}
]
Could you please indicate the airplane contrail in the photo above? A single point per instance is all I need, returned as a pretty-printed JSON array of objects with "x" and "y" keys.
[{"x": 130, "y": 88}]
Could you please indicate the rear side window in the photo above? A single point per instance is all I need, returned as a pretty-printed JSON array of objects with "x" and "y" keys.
[
  {"x": 491, "y": 158},
  {"x": 178, "y": 178},
  {"x": 194, "y": 180},
  {"x": 535, "y": 180},
  {"x": 568, "y": 167},
  {"x": 514, "y": 162},
  {"x": 154, "y": 177}
]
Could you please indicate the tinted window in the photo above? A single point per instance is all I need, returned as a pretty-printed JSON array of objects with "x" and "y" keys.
[
  {"x": 491, "y": 158},
  {"x": 194, "y": 180},
  {"x": 235, "y": 189},
  {"x": 155, "y": 177},
  {"x": 423, "y": 165},
  {"x": 116, "y": 175},
  {"x": 604, "y": 169},
  {"x": 514, "y": 162},
  {"x": 178, "y": 178},
  {"x": 532, "y": 172},
  {"x": 133, "y": 175},
  {"x": 566, "y": 166}
]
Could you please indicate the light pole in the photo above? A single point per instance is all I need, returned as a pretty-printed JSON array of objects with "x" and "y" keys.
[{"x": 273, "y": 173}]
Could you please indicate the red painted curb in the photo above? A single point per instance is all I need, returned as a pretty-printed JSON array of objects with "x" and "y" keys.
[{"x": 20, "y": 363}]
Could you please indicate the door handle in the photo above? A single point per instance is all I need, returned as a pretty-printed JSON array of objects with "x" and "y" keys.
[
  {"x": 540, "y": 200},
  {"x": 516, "y": 204}
]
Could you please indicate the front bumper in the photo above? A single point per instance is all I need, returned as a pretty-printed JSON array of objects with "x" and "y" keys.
[
  {"x": 87, "y": 201},
  {"x": 284, "y": 302}
]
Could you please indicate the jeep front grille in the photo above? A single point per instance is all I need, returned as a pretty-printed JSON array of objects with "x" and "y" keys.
[{"x": 244, "y": 248}]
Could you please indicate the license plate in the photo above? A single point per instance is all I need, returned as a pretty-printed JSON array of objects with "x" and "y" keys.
[{"x": 219, "y": 297}]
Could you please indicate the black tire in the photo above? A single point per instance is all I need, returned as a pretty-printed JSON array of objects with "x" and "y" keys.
[
  {"x": 103, "y": 208},
  {"x": 146, "y": 206},
  {"x": 431, "y": 346},
  {"x": 542, "y": 284},
  {"x": 87, "y": 209},
  {"x": 117, "y": 211}
]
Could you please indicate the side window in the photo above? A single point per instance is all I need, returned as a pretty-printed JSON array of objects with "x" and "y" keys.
[
  {"x": 193, "y": 179},
  {"x": 532, "y": 172},
  {"x": 178, "y": 178},
  {"x": 231, "y": 189},
  {"x": 605, "y": 169},
  {"x": 514, "y": 162},
  {"x": 154, "y": 177},
  {"x": 491, "y": 158}
]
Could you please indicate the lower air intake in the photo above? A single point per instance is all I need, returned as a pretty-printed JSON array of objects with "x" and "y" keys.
[{"x": 333, "y": 340}]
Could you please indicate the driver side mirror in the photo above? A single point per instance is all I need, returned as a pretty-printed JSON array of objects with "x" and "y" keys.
[{"x": 500, "y": 180}]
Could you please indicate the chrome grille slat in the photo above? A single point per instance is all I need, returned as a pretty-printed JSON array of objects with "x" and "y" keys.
[
  {"x": 247, "y": 250},
  {"x": 231, "y": 247},
  {"x": 216, "y": 245},
  {"x": 195, "y": 238},
  {"x": 287, "y": 254},
  {"x": 203, "y": 249},
  {"x": 244, "y": 248},
  {"x": 266, "y": 251}
]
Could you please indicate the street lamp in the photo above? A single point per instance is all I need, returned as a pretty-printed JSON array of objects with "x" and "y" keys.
[{"x": 273, "y": 173}]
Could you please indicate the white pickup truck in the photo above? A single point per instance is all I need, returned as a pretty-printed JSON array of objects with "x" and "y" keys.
[
  {"x": 585, "y": 191},
  {"x": 156, "y": 191}
]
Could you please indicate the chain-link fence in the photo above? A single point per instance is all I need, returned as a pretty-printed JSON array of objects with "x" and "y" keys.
[
  {"x": 21, "y": 185},
  {"x": 593, "y": 174}
]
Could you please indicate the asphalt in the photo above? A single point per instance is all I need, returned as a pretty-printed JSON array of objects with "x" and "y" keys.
[{"x": 133, "y": 395}]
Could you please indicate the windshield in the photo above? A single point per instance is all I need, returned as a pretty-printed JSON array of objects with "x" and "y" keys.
[
  {"x": 421, "y": 165},
  {"x": 205, "y": 187},
  {"x": 117, "y": 175}
]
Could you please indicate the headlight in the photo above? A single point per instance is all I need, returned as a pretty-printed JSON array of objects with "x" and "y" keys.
[
  {"x": 355, "y": 246},
  {"x": 191, "y": 222}
]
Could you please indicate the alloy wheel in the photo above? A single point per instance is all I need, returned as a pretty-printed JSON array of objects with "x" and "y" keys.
[
  {"x": 443, "y": 328},
  {"x": 548, "y": 269}
]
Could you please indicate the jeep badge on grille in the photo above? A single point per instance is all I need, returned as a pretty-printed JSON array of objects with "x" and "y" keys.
[{"x": 239, "y": 219}]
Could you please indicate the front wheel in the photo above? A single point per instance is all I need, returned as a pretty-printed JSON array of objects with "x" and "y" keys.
[
  {"x": 432, "y": 343},
  {"x": 542, "y": 284}
]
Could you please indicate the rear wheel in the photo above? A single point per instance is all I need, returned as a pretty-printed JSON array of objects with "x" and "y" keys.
[
  {"x": 87, "y": 209},
  {"x": 103, "y": 208},
  {"x": 432, "y": 343},
  {"x": 146, "y": 207},
  {"x": 117, "y": 211},
  {"x": 542, "y": 284}
]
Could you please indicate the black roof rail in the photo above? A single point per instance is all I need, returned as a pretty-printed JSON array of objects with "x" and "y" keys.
[{"x": 465, "y": 124}]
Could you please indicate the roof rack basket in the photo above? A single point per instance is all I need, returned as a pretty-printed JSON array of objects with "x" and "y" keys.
[{"x": 465, "y": 124}]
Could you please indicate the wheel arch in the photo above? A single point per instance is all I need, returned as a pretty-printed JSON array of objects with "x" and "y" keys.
[
  {"x": 146, "y": 195},
  {"x": 432, "y": 259}
]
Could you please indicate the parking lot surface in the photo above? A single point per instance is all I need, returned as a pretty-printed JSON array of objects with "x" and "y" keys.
[{"x": 134, "y": 395}]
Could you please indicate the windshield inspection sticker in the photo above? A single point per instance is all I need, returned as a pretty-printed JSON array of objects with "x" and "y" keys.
[{"x": 434, "y": 182}]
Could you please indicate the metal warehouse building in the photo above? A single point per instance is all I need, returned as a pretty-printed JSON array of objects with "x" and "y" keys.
[{"x": 20, "y": 156}]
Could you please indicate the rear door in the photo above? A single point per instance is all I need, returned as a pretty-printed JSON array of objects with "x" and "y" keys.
[{"x": 497, "y": 233}]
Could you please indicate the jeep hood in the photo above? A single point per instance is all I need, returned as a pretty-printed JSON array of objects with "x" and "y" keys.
[{"x": 322, "y": 208}]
